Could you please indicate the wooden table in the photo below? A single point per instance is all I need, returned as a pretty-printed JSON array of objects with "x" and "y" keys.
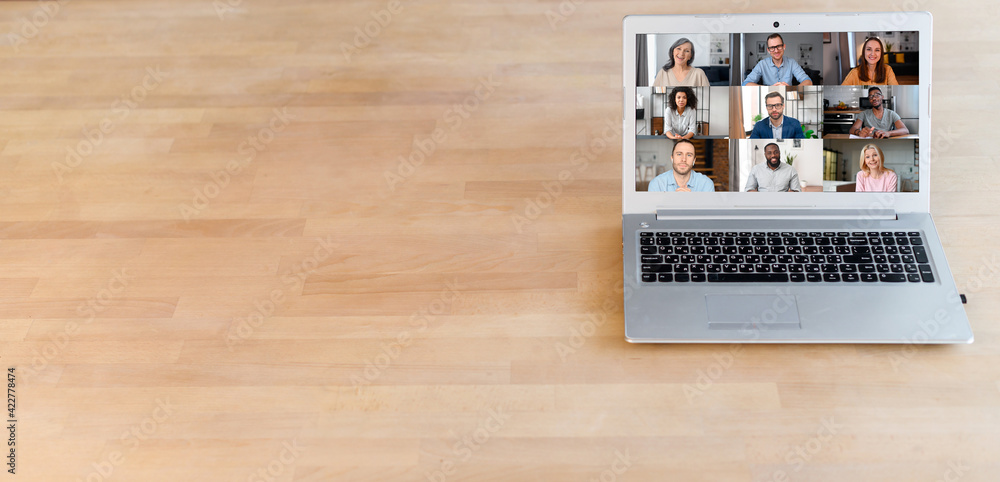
[{"x": 309, "y": 241}]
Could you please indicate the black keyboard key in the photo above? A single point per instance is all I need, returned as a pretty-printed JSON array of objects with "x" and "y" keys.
[
  {"x": 856, "y": 233},
  {"x": 747, "y": 278},
  {"x": 745, "y": 249},
  {"x": 858, "y": 259},
  {"x": 695, "y": 242},
  {"x": 899, "y": 233},
  {"x": 682, "y": 277},
  {"x": 881, "y": 259},
  {"x": 681, "y": 268},
  {"x": 697, "y": 268},
  {"x": 661, "y": 234},
  {"x": 652, "y": 258},
  {"x": 843, "y": 234},
  {"x": 826, "y": 250},
  {"x": 759, "y": 234},
  {"x": 882, "y": 268},
  {"x": 720, "y": 258},
  {"x": 894, "y": 249},
  {"x": 665, "y": 249},
  {"x": 743, "y": 241},
  {"x": 698, "y": 277},
  {"x": 758, "y": 241},
  {"x": 678, "y": 241},
  {"x": 857, "y": 241},
  {"x": 797, "y": 277},
  {"x": 850, "y": 277},
  {"x": 730, "y": 268},
  {"x": 814, "y": 277},
  {"x": 769, "y": 258},
  {"x": 671, "y": 258},
  {"x": 730, "y": 250},
  {"x": 913, "y": 233},
  {"x": 795, "y": 268},
  {"x": 646, "y": 241},
  {"x": 761, "y": 250},
  {"x": 892, "y": 277},
  {"x": 908, "y": 258},
  {"x": 790, "y": 241},
  {"x": 812, "y": 268},
  {"x": 753, "y": 258},
  {"x": 746, "y": 268},
  {"x": 645, "y": 234},
  {"x": 810, "y": 250},
  {"x": 885, "y": 233},
  {"x": 793, "y": 249},
  {"x": 902, "y": 241},
  {"x": 657, "y": 268},
  {"x": 869, "y": 277},
  {"x": 665, "y": 277},
  {"x": 647, "y": 277},
  {"x": 848, "y": 268},
  {"x": 689, "y": 234},
  {"x": 779, "y": 268},
  {"x": 830, "y": 268},
  {"x": 774, "y": 241},
  {"x": 874, "y": 240},
  {"x": 913, "y": 278},
  {"x": 920, "y": 253},
  {"x": 896, "y": 268},
  {"x": 831, "y": 277},
  {"x": 713, "y": 268},
  {"x": 861, "y": 250},
  {"x": 833, "y": 259},
  {"x": 894, "y": 258},
  {"x": 866, "y": 268},
  {"x": 822, "y": 241},
  {"x": 762, "y": 268},
  {"x": 647, "y": 250},
  {"x": 807, "y": 242},
  {"x": 817, "y": 258},
  {"x": 889, "y": 241},
  {"x": 682, "y": 250},
  {"x": 878, "y": 249},
  {"x": 687, "y": 258},
  {"x": 736, "y": 259},
  {"x": 786, "y": 258},
  {"x": 713, "y": 250},
  {"x": 838, "y": 241},
  {"x": 927, "y": 276},
  {"x": 703, "y": 234},
  {"x": 703, "y": 258},
  {"x": 842, "y": 250},
  {"x": 663, "y": 241}
]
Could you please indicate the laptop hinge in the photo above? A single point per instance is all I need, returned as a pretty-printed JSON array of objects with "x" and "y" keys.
[{"x": 782, "y": 213}]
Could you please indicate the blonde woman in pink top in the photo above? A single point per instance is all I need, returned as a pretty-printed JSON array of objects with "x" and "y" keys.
[{"x": 874, "y": 176}]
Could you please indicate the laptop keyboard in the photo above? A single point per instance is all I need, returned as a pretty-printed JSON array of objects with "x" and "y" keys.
[{"x": 784, "y": 257}]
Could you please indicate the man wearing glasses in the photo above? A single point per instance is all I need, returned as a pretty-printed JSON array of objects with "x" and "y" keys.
[
  {"x": 776, "y": 125},
  {"x": 878, "y": 121},
  {"x": 777, "y": 70}
]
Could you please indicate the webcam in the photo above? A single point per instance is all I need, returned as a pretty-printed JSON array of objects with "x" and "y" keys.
[{"x": 776, "y": 24}]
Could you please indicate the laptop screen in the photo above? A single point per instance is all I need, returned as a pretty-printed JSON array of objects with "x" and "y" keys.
[{"x": 791, "y": 112}]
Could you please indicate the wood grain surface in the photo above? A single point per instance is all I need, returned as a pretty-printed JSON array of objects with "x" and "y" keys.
[{"x": 300, "y": 240}]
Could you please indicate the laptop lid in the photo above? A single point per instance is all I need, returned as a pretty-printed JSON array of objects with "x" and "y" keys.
[{"x": 729, "y": 135}]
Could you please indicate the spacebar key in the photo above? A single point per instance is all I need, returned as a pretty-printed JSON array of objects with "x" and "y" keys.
[{"x": 747, "y": 277}]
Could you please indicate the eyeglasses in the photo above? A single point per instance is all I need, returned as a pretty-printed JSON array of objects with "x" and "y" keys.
[
  {"x": 775, "y": 48},
  {"x": 774, "y": 106},
  {"x": 874, "y": 95}
]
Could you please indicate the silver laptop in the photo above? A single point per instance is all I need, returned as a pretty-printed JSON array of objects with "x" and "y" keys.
[{"x": 776, "y": 187}]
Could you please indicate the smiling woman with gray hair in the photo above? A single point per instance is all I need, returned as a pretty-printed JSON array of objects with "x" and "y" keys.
[{"x": 678, "y": 71}]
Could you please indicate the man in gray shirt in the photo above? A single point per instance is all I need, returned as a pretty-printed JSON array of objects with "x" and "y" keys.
[
  {"x": 878, "y": 122},
  {"x": 773, "y": 175}
]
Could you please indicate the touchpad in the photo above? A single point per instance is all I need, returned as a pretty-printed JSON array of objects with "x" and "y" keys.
[{"x": 752, "y": 312}]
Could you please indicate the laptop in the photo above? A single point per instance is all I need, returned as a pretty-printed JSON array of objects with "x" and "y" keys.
[{"x": 776, "y": 187}]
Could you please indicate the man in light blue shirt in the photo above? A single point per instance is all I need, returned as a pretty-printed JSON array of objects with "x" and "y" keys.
[
  {"x": 682, "y": 178},
  {"x": 777, "y": 70}
]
